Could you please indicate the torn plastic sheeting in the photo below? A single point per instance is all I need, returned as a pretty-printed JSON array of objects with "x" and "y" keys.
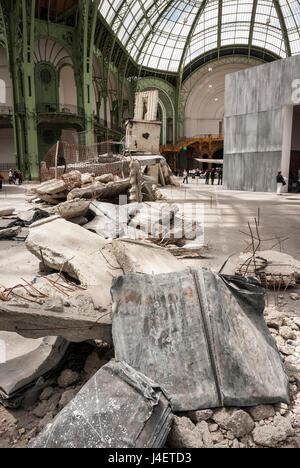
[
  {"x": 201, "y": 336},
  {"x": 117, "y": 408}
]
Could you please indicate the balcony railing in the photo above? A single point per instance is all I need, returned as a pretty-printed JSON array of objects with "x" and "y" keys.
[{"x": 53, "y": 108}]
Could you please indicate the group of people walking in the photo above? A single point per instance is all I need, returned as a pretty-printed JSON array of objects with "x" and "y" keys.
[
  {"x": 208, "y": 175},
  {"x": 14, "y": 177},
  {"x": 213, "y": 175}
]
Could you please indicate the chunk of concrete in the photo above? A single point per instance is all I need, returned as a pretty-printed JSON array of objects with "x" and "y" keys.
[
  {"x": 6, "y": 211},
  {"x": 73, "y": 209},
  {"x": 117, "y": 408},
  {"x": 143, "y": 257},
  {"x": 197, "y": 334},
  {"x": 21, "y": 373},
  {"x": 92, "y": 260},
  {"x": 10, "y": 232},
  {"x": 77, "y": 251},
  {"x": 51, "y": 187},
  {"x": 87, "y": 316},
  {"x": 271, "y": 266}
]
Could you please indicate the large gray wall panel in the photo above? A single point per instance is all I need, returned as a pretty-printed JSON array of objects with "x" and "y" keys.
[{"x": 254, "y": 103}]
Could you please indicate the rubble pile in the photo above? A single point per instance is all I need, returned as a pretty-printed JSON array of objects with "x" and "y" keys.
[
  {"x": 77, "y": 185},
  {"x": 273, "y": 268},
  {"x": 187, "y": 349},
  {"x": 15, "y": 225}
]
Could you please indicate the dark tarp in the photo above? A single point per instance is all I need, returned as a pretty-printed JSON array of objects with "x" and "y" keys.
[
  {"x": 117, "y": 408},
  {"x": 202, "y": 337}
]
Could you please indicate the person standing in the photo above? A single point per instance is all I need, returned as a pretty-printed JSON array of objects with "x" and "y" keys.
[
  {"x": 1, "y": 181},
  {"x": 213, "y": 176},
  {"x": 280, "y": 183},
  {"x": 185, "y": 177},
  {"x": 207, "y": 176},
  {"x": 220, "y": 176},
  {"x": 11, "y": 179},
  {"x": 20, "y": 177},
  {"x": 16, "y": 177}
]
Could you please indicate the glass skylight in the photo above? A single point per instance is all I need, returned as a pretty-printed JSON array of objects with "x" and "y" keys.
[{"x": 168, "y": 35}]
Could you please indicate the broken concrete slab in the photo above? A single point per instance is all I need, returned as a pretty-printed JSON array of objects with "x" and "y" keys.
[
  {"x": 143, "y": 257},
  {"x": 83, "y": 316},
  {"x": 271, "y": 267},
  {"x": 105, "y": 178},
  {"x": 6, "y": 211},
  {"x": 98, "y": 190},
  {"x": 117, "y": 408},
  {"x": 197, "y": 334},
  {"x": 77, "y": 251},
  {"x": 10, "y": 233},
  {"x": 21, "y": 373},
  {"x": 26, "y": 218},
  {"x": 73, "y": 209},
  {"x": 93, "y": 260},
  {"x": 6, "y": 223},
  {"x": 51, "y": 187}
]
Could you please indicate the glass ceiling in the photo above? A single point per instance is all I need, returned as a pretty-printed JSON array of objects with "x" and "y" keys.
[{"x": 169, "y": 34}]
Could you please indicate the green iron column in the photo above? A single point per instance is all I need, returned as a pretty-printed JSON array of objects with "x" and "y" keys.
[
  {"x": 31, "y": 148},
  {"x": 88, "y": 11}
]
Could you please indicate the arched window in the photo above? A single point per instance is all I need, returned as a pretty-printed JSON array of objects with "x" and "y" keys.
[{"x": 2, "y": 92}]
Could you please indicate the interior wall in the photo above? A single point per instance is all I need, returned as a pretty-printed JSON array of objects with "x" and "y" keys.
[
  {"x": 69, "y": 135},
  {"x": 7, "y": 149},
  {"x": 295, "y": 146},
  {"x": 67, "y": 87},
  {"x": 256, "y": 129},
  {"x": 205, "y": 105},
  {"x": 296, "y": 129}
]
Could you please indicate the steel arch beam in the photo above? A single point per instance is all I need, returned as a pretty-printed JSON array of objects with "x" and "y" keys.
[
  {"x": 160, "y": 17},
  {"x": 283, "y": 27},
  {"x": 190, "y": 35},
  {"x": 252, "y": 25}
]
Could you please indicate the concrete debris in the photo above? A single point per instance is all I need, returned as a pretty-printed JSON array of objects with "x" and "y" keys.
[
  {"x": 68, "y": 378},
  {"x": 64, "y": 308},
  {"x": 262, "y": 412},
  {"x": 80, "y": 319},
  {"x": 73, "y": 209},
  {"x": 78, "y": 253},
  {"x": 10, "y": 233},
  {"x": 72, "y": 180},
  {"x": 26, "y": 218},
  {"x": 143, "y": 257},
  {"x": 240, "y": 424},
  {"x": 154, "y": 309},
  {"x": 6, "y": 211},
  {"x": 117, "y": 408},
  {"x": 99, "y": 190},
  {"x": 271, "y": 435},
  {"x": 19, "y": 374},
  {"x": 105, "y": 178},
  {"x": 51, "y": 187},
  {"x": 271, "y": 267},
  {"x": 11, "y": 226},
  {"x": 184, "y": 435}
]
